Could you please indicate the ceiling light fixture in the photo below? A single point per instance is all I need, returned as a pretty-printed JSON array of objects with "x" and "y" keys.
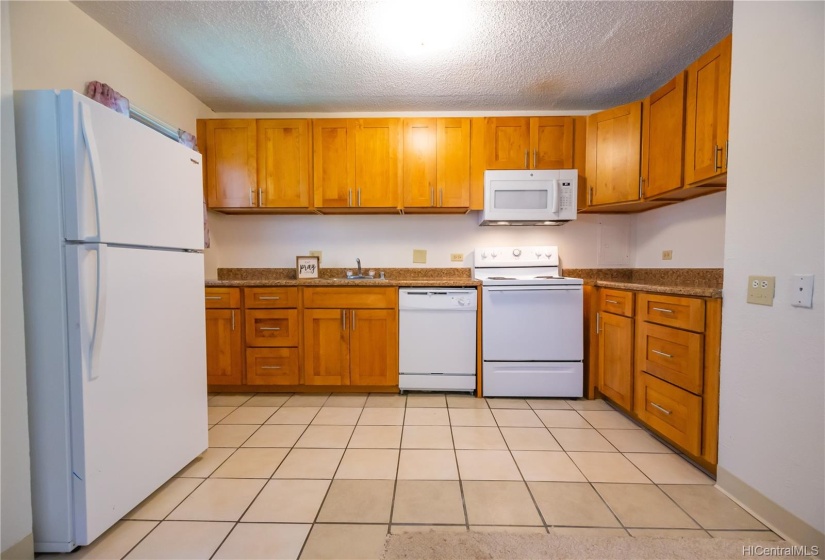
[{"x": 416, "y": 28}]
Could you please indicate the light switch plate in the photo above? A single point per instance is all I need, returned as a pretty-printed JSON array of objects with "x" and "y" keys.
[
  {"x": 667, "y": 255},
  {"x": 761, "y": 289},
  {"x": 456, "y": 257},
  {"x": 802, "y": 290},
  {"x": 420, "y": 256}
]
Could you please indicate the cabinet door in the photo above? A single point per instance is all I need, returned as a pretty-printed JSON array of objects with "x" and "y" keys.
[
  {"x": 283, "y": 163},
  {"x": 333, "y": 145},
  {"x": 507, "y": 142},
  {"x": 419, "y": 162},
  {"x": 616, "y": 358},
  {"x": 231, "y": 163},
  {"x": 326, "y": 347},
  {"x": 223, "y": 347},
  {"x": 271, "y": 327},
  {"x": 377, "y": 165},
  {"x": 551, "y": 143},
  {"x": 272, "y": 366},
  {"x": 453, "y": 169},
  {"x": 373, "y": 347},
  {"x": 663, "y": 138},
  {"x": 613, "y": 151},
  {"x": 708, "y": 105}
]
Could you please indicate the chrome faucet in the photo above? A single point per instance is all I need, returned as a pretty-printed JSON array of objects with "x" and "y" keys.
[{"x": 357, "y": 260}]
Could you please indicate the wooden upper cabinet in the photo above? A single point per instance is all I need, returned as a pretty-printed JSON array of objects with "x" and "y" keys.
[
  {"x": 437, "y": 163},
  {"x": 376, "y": 163},
  {"x": 420, "y": 178},
  {"x": 453, "y": 163},
  {"x": 613, "y": 154},
  {"x": 283, "y": 163},
  {"x": 231, "y": 160},
  {"x": 551, "y": 143},
  {"x": 708, "y": 106},
  {"x": 333, "y": 142},
  {"x": 507, "y": 142},
  {"x": 356, "y": 163},
  {"x": 663, "y": 133}
]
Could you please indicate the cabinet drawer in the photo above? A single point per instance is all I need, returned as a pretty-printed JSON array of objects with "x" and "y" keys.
[
  {"x": 680, "y": 312},
  {"x": 272, "y": 298},
  {"x": 272, "y": 366},
  {"x": 671, "y": 411},
  {"x": 616, "y": 301},
  {"x": 351, "y": 298},
  {"x": 671, "y": 354},
  {"x": 271, "y": 327},
  {"x": 223, "y": 298}
]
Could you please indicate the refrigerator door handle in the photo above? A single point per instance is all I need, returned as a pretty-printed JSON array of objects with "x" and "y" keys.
[
  {"x": 94, "y": 160},
  {"x": 100, "y": 310}
]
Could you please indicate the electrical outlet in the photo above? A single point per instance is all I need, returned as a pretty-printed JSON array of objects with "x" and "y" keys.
[
  {"x": 456, "y": 257},
  {"x": 667, "y": 255},
  {"x": 420, "y": 256},
  {"x": 316, "y": 254},
  {"x": 761, "y": 289}
]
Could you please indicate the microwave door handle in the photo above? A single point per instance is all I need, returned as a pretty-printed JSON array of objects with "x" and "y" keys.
[{"x": 555, "y": 207}]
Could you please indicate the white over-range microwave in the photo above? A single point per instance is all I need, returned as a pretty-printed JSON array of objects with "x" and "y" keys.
[{"x": 529, "y": 197}]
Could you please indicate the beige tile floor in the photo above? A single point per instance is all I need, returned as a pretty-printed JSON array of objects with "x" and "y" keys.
[{"x": 320, "y": 476}]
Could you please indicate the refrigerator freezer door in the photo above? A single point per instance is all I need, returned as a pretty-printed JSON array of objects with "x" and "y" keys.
[
  {"x": 125, "y": 183},
  {"x": 137, "y": 381}
]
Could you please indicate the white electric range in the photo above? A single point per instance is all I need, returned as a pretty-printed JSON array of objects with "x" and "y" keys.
[{"x": 532, "y": 323}]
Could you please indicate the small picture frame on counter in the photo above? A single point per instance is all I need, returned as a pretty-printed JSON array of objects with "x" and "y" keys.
[{"x": 307, "y": 267}]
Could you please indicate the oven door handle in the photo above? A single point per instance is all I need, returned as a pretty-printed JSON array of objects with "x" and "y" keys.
[{"x": 537, "y": 289}]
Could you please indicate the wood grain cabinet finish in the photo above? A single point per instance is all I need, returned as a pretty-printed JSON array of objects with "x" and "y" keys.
[
  {"x": 224, "y": 343},
  {"x": 671, "y": 411},
  {"x": 618, "y": 302},
  {"x": 231, "y": 163},
  {"x": 663, "y": 138},
  {"x": 283, "y": 163},
  {"x": 436, "y": 158},
  {"x": 270, "y": 298},
  {"x": 671, "y": 354},
  {"x": 356, "y": 163},
  {"x": 345, "y": 344},
  {"x": 614, "y": 155},
  {"x": 616, "y": 358},
  {"x": 672, "y": 311},
  {"x": 271, "y": 327},
  {"x": 708, "y": 107},
  {"x": 529, "y": 142},
  {"x": 272, "y": 366}
]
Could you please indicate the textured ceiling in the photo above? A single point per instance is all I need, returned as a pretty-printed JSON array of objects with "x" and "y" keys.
[{"x": 421, "y": 55}]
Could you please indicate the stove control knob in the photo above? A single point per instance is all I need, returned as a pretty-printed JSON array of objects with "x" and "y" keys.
[
  {"x": 538, "y": 254},
  {"x": 548, "y": 255},
  {"x": 516, "y": 252},
  {"x": 494, "y": 254},
  {"x": 484, "y": 255}
]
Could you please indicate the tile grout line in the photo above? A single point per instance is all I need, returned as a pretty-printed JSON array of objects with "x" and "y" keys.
[
  {"x": 397, "y": 468},
  {"x": 458, "y": 471}
]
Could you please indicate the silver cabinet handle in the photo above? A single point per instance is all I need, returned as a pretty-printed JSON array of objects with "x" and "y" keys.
[
  {"x": 269, "y": 328},
  {"x": 666, "y": 411},
  {"x": 641, "y": 188},
  {"x": 441, "y": 197},
  {"x": 662, "y": 309},
  {"x": 661, "y": 353},
  {"x": 214, "y": 297},
  {"x": 611, "y": 301},
  {"x": 727, "y": 153},
  {"x": 359, "y": 196},
  {"x": 252, "y": 197},
  {"x": 526, "y": 159},
  {"x": 269, "y": 297},
  {"x": 260, "y": 197},
  {"x": 353, "y": 319},
  {"x": 432, "y": 196},
  {"x": 716, "y": 157},
  {"x": 271, "y": 367},
  {"x": 598, "y": 319},
  {"x": 343, "y": 319},
  {"x": 535, "y": 157},
  {"x": 349, "y": 197},
  {"x": 233, "y": 319}
]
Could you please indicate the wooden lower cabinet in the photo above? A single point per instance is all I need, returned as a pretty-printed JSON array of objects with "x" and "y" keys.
[
  {"x": 272, "y": 366},
  {"x": 671, "y": 411},
  {"x": 326, "y": 347},
  {"x": 224, "y": 347},
  {"x": 616, "y": 358}
]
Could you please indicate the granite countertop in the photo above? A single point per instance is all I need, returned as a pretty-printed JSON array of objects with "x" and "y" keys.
[
  {"x": 425, "y": 277},
  {"x": 697, "y": 282}
]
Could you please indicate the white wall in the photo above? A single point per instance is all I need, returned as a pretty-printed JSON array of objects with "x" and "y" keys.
[
  {"x": 388, "y": 241},
  {"x": 55, "y": 45},
  {"x": 772, "y": 418},
  {"x": 694, "y": 230},
  {"x": 15, "y": 481}
]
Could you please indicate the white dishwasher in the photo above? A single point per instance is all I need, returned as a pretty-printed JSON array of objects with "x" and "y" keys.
[{"x": 437, "y": 339}]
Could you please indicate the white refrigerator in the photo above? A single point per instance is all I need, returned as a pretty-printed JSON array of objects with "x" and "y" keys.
[{"x": 112, "y": 237}]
